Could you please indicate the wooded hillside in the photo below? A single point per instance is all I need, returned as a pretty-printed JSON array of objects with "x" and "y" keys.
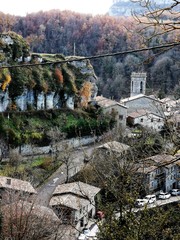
[{"x": 77, "y": 34}]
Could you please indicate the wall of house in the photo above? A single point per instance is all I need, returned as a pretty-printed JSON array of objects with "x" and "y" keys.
[
  {"x": 85, "y": 213},
  {"x": 153, "y": 183},
  {"x": 150, "y": 121},
  {"x": 171, "y": 177},
  {"x": 163, "y": 178},
  {"x": 120, "y": 114}
]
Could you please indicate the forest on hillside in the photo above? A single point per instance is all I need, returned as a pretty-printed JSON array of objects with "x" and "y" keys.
[{"x": 71, "y": 33}]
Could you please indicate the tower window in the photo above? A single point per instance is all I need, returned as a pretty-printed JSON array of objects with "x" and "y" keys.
[{"x": 141, "y": 87}]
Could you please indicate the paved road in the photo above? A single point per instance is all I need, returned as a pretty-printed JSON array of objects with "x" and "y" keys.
[
  {"x": 160, "y": 203},
  {"x": 59, "y": 177}
]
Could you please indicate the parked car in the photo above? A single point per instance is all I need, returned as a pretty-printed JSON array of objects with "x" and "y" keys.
[
  {"x": 84, "y": 234},
  {"x": 86, "y": 231},
  {"x": 141, "y": 202},
  {"x": 175, "y": 192},
  {"x": 150, "y": 198},
  {"x": 82, "y": 237},
  {"x": 164, "y": 195}
]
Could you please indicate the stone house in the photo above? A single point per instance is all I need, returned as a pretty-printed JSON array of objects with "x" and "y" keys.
[
  {"x": 74, "y": 203},
  {"x": 113, "y": 108},
  {"x": 12, "y": 189},
  {"x": 170, "y": 105},
  {"x": 160, "y": 172},
  {"x": 146, "y": 119}
]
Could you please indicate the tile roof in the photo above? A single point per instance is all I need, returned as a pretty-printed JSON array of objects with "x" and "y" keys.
[
  {"x": 146, "y": 169},
  {"x": 105, "y": 102},
  {"x": 115, "y": 146},
  {"x": 69, "y": 201},
  {"x": 16, "y": 184},
  {"x": 142, "y": 112},
  {"x": 138, "y": 113},
  {"x": 162, "y": 159},
  {"x": 73, "y": 195},
  {"x": 152, "y": 97},
  {"x": 30, "y": 208}
]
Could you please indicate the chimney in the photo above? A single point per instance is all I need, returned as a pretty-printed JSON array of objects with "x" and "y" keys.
[{"x": 8, "y": 181}]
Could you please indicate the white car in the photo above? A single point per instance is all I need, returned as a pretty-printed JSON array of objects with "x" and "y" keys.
[
  {"x": 175, "y": 192},
  {"x": 150, "y": 198},
  {"x": 164, "y": 195},
  {"x": 141, "y": 202}
]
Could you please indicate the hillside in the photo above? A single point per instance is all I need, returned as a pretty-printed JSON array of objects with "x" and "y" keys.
[
  {"x": 68, "y": 33},
  {"x": 36, "y": 100}
]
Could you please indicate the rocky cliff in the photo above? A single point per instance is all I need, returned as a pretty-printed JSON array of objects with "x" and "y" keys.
[
  {"x": 126, "y": 7},
  {"x": 68, "y": 84}
]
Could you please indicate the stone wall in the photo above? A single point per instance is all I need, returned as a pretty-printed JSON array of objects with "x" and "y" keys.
[{"x": 30, "y": 150}]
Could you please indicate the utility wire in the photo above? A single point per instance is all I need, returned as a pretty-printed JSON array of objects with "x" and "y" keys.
[{"x": 169, "y": 45}]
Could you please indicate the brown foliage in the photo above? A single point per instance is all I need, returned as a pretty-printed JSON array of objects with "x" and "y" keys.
[
  {"x": 85, "y": 93},
  {"x": 59, "y": 76}
]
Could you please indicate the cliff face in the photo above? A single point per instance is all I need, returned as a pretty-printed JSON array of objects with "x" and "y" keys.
[
  {"x": 126, "y": 7},
  {"x": 69, "y": 84}
]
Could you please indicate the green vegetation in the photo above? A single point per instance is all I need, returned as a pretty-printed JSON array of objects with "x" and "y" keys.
[
  {"x": 38, "y": 169},
  {"x": 20, "y": 128},
  {"x": 154, "y": 224}
]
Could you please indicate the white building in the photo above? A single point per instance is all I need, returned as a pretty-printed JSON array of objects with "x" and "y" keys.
[
  {"x": 161, "y": 172},
  {"x": 74, "y": 203},
  {"x": 145, "y": 119}
]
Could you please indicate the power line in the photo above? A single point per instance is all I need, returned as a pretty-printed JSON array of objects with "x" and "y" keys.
[{"x": 169, "y": 45}]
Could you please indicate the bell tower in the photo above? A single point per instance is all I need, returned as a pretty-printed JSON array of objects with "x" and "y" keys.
[{"x": 138, "y": 83}]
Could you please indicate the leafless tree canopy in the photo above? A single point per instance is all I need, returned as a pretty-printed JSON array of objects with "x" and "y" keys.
[{"x": 160, "y": 20}]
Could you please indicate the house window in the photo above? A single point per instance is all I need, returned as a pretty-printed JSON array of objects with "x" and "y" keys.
[
  {"x": 151, "y": 119},
  {"x": 81, "y": 222},
  {"x": 120, "y": 117},
  {"x": 159, "y": 120},
  {"x": 141, "y": 119}
]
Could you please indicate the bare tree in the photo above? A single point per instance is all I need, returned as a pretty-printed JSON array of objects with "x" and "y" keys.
[
  {"x": 23, "y": 220},
  {"x": 159, "y": 20}
]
